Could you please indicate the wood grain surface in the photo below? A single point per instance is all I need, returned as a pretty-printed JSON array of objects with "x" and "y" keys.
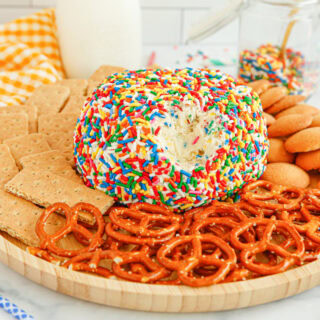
[{"x": 160, "y": 298}]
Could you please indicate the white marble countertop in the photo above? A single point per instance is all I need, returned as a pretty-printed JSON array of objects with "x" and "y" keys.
[{"x": 43, "y": 303}]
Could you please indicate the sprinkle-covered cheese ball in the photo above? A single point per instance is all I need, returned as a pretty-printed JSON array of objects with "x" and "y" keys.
[
  {"x": 266, "y": 63},
  {"x": 180, "y": 137}
]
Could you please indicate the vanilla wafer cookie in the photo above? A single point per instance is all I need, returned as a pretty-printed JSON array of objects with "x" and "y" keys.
[
  {"x": 278, "y": 153},
  {"x": 316, "y": 120},
  {"x": 298, "y": 109},
  {"x": 304, "y": 141},
  {"x": 259, "y": 86},
  {"x": 285, "y": 103},
  {"x": 286, "y": 174},
  {"x": 271, "y": 96},
  {"x": 268, "y": 118},
  {"x": 290, "y": 124},
  {"x": 309, "y": 160}
]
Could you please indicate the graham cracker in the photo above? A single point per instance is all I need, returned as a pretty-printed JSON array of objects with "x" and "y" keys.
[
  {"x": 78, "y": 87},
  {"x": 92, "y": 84},
  {"x": 68, "y": 154},
  {"x": 74, "y": 104},
  {"x": 8, "y": 168},
  {"x": 51, "y": 161},
  {"x": 103, "y": 71},
  {"x": 30, "y": 111},
  {"x": 62, "y": 141},
  {"x": 59, "y": 130},
  {"x": 13, "y": 125},
  {"x": 45, "y": 188},
  {"x": 49, "y": 98},
  {"x": 26, "y": 145},
  {"x": 61, "y": 123},
  {"x": 18, "y": 218}
]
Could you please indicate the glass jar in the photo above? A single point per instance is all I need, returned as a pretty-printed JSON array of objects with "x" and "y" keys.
[{"x": 279, "y": 41}]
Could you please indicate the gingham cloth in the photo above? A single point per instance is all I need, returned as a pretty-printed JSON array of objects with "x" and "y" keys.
[
  {"x": 29, "y": 56},
  {"x": 15, "y": 311}
]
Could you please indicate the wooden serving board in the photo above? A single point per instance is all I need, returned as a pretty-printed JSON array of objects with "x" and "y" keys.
[{"x": 137, "y": 296}]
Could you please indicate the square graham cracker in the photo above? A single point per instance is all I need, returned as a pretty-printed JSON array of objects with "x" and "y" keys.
[
  {"x": 74, "y": 105},
  {"x": 13, "y": 125},
  {"x": 18, "y": 218},
  {"x": 78, "y": 87},
  {"x": 92, "y": 84},
  {"x": 104, "y": 71},
  {"x": 61, "y": 141},
  {"x": 8, "y": 168},
  {"x": 59, "y": 130},
  {"x": 52, "y": 161},
  {"x": 30, "y": 111},
  {"x": 68, "y": 154},
  {"x": 26, "y": 145},
  {"x": 63, "y": 123},
  {"x": 45, "y": 188},
  {"x": 49, "y": 98}
]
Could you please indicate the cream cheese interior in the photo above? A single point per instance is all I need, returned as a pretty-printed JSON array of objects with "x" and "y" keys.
[{"x": 189, "y": 135}]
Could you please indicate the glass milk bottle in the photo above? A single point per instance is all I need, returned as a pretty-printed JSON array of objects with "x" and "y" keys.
[
  {"x": 92, "y": 33},
  {"x": 279, "y": 41}
]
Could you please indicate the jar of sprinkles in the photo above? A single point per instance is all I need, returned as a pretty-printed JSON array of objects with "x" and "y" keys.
[{"x": 278, "y": 41}]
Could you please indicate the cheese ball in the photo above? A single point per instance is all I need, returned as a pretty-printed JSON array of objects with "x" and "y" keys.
[{"x": 180, "y": 138}]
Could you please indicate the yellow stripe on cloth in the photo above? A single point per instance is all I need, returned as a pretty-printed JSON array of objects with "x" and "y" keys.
[{"x": 29, "y": 56}]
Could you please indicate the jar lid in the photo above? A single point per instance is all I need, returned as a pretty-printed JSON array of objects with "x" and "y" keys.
[{"x": 214, "y": 21}]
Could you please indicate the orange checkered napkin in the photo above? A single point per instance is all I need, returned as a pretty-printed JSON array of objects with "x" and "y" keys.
[{"x": 29, "y": 56}]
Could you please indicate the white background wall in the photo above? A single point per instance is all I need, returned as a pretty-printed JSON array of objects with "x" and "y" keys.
[{"x": 165, "y": 22}]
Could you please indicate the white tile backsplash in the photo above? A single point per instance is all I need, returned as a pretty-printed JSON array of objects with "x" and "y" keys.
[
  {"x": 164, "y": 22},
  {"x": 14, "y": 3},
  {"x": 178, "y": 3},
  {"x": 161, "y": 26},
  {"x": 44, "y": 3},
  {"x": 228, "y": 34}
]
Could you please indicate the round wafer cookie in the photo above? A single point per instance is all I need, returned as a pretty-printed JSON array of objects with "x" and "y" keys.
[
  {"x": 271, "y": 96},
  {"x": 287, "y": 125},
  {"x": 286, "y": 174},
  {"x": 278, "y": 153},
  {"x": 315, "y": 120},
  {"x": 304, "y": 141},
  {"x": 285, "y": 103},
  {"x": 300, "y": 108},
  {"x": 268, "y": 118},
  {"x": 309, "y": 160},
  {"x": 259, "y": 86}
]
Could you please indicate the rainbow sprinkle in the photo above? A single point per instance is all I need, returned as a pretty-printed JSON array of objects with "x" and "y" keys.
[
  {"x": 265, "y": 63},
  {"x": 178, "y": 137}
]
